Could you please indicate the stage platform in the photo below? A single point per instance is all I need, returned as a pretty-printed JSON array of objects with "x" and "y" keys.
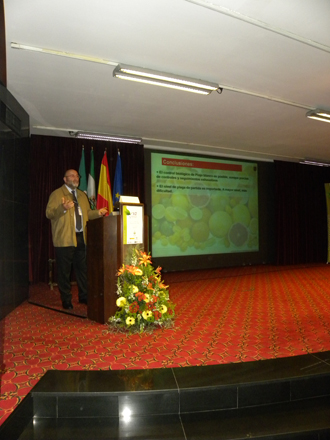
[
  {"x": 248, "y": 357},
  {"x": 287, "y": 398}
]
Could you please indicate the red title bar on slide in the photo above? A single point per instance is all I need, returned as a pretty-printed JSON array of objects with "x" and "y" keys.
[{"x": 200, "y": 164}]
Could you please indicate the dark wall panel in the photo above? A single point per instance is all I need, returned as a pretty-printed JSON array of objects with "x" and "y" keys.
[{"x": 14, "y": 200}]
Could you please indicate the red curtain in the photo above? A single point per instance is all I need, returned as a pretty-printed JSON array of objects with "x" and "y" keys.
[
  {"x": 301, "y": 213},
  {"x": 49, "y": 159},
  {"x": 300, "y": 204}
]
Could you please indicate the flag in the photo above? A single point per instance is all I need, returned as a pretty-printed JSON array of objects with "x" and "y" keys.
[
  {"x": 118, "y": 182},
  {"x": 82, "y": 172},
  {"x": 91, "y": 183},
  {"x": 104, "y": 198}
]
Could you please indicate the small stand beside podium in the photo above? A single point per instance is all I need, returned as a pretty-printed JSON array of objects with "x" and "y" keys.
[{"x": 109, "y": 240}]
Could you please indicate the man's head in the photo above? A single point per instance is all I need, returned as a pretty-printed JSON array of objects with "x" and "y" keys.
[{"x": 71, "y": 179}]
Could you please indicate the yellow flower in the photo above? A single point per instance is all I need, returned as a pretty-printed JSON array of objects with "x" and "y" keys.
[
  {"x": 163, "y": 309},
  {"x": 135, "y": 289},
  {"x": 146, "y": 314},
  {"x": 147, "y": 297},
  {"x": 121, "y": 301},
  {"x": 145, "y": 259},
  {"x": 130, "y": 320}
]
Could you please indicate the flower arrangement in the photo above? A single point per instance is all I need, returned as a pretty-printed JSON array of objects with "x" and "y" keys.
[{"x": 143, "y": 299}]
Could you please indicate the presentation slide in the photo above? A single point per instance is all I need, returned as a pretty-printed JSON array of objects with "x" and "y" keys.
[{"x": 203, "y": 205}]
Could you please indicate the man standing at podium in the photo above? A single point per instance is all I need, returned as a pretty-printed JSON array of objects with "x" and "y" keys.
[{"x": 69, "y": 210}]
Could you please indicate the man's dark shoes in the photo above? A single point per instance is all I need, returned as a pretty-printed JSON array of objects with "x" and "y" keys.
[
  {"x": 67, "y": 305},
  {"x": 83, "y": 301}
]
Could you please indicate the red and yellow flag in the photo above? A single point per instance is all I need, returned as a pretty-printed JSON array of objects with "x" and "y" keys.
[{"x": 104, "y": 198}]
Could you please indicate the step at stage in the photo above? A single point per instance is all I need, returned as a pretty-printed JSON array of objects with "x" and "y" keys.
[{"x": 285, "y": 398}]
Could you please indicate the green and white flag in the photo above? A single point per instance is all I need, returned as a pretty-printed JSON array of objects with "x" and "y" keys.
[
  {"x": 91, "y": 183},
  {"x": 82, "y": 172}
]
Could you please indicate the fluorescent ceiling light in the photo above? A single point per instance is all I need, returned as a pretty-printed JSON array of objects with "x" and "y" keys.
[
  {"x": 154, "y": 77},
  {"x": 320, "y": 115},
  {"x": 107, "y": 137},
  {"x": 315, "y": 162}
]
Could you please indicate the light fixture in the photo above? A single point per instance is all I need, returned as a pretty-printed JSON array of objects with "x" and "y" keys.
[
  {"x": 320, "y": 115},
  {"x": 154, "y": 77},
  {"x": 315, "y": 162},
  {"x": 105, "y": 137}
]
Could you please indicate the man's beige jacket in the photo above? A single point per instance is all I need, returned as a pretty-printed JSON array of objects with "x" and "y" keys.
[{"x": 63, "y": 222}]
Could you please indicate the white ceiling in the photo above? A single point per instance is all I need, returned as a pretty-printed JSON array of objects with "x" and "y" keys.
[{"x": 272, "y": 58}]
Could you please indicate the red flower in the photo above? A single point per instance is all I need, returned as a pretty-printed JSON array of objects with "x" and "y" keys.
[
  {"x": 157, "y": 315},
  {"x": 134, "y": 307},
  {"x": 140, "y": 296},
  {"x": 158, "y": 270}
]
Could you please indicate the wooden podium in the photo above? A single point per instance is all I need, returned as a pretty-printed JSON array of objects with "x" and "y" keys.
[{"x": 106, "y": 250}]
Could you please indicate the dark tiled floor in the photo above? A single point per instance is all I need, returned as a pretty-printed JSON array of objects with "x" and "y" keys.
[
  {"x": 281, "y": 422},
  {"x": 155, "y": 427},
  {"x": 259, "y": 422}
]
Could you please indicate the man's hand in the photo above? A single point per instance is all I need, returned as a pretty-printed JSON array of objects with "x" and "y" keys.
[
  {"x": 103, "y": 212},
  {"x": 67, "y": 204}
]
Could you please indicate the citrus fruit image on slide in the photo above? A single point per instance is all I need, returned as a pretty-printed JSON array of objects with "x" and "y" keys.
[
  {"x": 238, "y": 234},
  {"x": 200, "y": 231},
  {"x": 196, "y": 213},
  {"x": 219, "y": 223},
  {"x": 158, "y": 211},
  {"x": 254, "y": 226},
  {"x": 173, "y": 213},
  {"x": 253, "y": 205},
  {"x": 166, "y": 228},
  {"x": 241, "y": 214},
  {"x": 180, "y": 200},
  {"x": 218, "y": 202},
  {"x": 199, "y": 197}
]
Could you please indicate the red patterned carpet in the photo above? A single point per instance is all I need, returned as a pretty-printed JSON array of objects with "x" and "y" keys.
[
  {"x": 41, "y": 294},
  {"x": 222, "y": 316}
]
